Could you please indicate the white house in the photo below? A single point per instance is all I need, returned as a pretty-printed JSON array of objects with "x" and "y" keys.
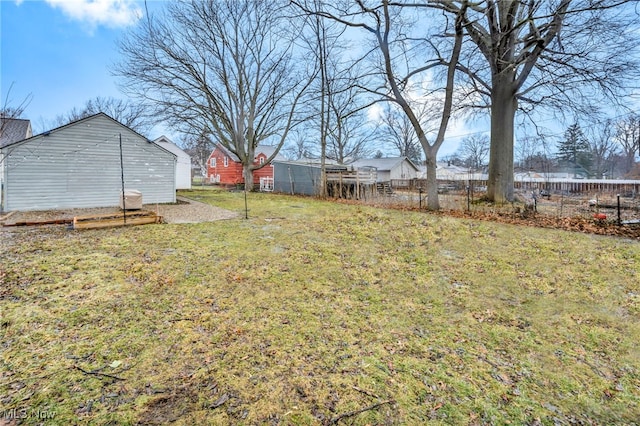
[
  {"x": 85, "y": 163},
  {"x": 183, "y": 164}
]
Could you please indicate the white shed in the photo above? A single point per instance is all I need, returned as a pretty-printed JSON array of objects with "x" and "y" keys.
[
  {"x": 389, "y": 168},
  {"x": 183, "y": 165},
  {"x": 82, "y": 164}
]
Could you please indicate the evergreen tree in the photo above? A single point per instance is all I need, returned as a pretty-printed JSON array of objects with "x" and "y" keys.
[{"x": 574, "y": 151}]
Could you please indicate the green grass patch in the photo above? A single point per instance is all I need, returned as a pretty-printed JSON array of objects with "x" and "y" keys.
[{"x": 311, "y": 311}]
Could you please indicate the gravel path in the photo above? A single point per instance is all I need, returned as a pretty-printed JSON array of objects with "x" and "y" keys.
[
  {"x": 185, "y": 211},
  {"x": 193, "y": 212}
]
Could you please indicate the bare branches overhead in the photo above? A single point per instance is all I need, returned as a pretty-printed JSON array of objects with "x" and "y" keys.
[
  {"x": 224, "y": 67},
  {"x": 131, "y": 114},
  {"x": 230, "y": 68},
  {"x": 563, "y": 54},
  {"x": 399, "y": 63},
  {"x": 554, "y": 49}
]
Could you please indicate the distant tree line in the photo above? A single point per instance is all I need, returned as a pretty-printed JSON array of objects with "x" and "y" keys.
[{"x": 606, "y": 150}]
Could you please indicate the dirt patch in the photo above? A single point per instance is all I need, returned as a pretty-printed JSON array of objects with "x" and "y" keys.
[
  {"x": 183, "y": 211},
  {"x": 169, "y": 407}
]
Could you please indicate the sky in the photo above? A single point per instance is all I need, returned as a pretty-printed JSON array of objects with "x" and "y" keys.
[{"x": 59, "y": 54}]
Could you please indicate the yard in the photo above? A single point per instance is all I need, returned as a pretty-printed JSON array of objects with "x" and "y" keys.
[{"x": 314, "y": 312}]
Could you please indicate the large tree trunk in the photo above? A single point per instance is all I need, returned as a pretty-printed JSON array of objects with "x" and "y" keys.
[
  {"x": 433, "y": 202},
  {"x": 503, "y": 111},
  {"x": 247, "y": 172}
]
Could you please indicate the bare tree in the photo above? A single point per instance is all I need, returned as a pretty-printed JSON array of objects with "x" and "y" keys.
[
  {"x": 133, "y": 115},
  {"x": 298, "y": 145},
  {"x": 10, "y": 110},
  {"x": 335, "y": 101},
  {"x": 524, "y": 150},
  {"x": 397, "y": 131},
  {"x": 199, "y": 149},
  {"x": 349, "y": 134},
  {"x": 628, "y": 137},
  {"x": 557, "y": 53},
  {"x": 534, "y": 154},
  {"x": 474, "y": 151},
  {"x": 603, "y": 149},
  {"x": 224, "y": 68},
  {"x": 320, "y": 45},
  {"x": 396, "y": 70},
  {"x": 453, "y": 160}
]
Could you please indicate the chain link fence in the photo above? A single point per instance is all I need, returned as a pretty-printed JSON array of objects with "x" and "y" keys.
[{"x": 612, "y": 202}]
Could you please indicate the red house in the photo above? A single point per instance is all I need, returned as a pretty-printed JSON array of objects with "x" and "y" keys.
[{"x": 225, "y": 168}]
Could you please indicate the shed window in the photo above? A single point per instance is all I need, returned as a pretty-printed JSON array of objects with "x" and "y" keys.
[
  {"x": 261, "y": 160},
  {"x": 213, "y": 161},
  {"x": 226, "y": 161}
]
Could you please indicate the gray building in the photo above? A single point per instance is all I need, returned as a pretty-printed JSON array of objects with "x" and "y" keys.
[
  {"x": 293, "y": 177},
  {"x": 301, "y": 177},
  {"x": 82, "y": 164}
]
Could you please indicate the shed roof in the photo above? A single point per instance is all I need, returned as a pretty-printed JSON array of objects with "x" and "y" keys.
[
  {"x": 313, "y": 163},
  {"x": 382, "y": 163},
  {"x": 452, "y": 169},
  {"x": 167, "y": 144},
  {"x": 13, "y": 130}
]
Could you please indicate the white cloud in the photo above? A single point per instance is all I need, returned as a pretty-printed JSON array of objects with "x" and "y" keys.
[
  {"x": 110, "y": 13},
  {"x": 374, "y": 113}
]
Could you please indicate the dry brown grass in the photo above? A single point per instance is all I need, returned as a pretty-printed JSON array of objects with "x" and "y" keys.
[{"x": 310, "y": 312}]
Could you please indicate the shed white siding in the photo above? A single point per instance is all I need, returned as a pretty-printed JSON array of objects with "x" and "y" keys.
[
  {"x": 389, "y": 168},
  {"x": 383, "y": 175},
  {"x": 403, "y": 170},
  {"x": 78, "y": 165},
  {"x": 183, "y": 165}
]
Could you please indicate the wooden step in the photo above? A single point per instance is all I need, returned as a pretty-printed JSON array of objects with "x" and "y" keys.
[{"x": 108, "y": 220}]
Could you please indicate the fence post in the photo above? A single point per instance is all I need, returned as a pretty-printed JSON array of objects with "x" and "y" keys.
[{"x": 618, "y": 198}]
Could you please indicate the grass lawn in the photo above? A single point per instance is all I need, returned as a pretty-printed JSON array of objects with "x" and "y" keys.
[{"x": 314, "y": 312}]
